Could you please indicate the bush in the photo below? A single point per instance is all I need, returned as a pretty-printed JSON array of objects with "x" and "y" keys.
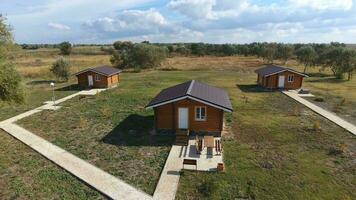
[
  {"x": 316, "y": 126},
  {"x": 61, "y": 69},
  {"x": 147, "y": 56},
  {"x": 65, "y": 47},
  {"x": 10, "y": 84},
  {"x": 319, "y": 99},
  {"x": 339, "y": 150}
]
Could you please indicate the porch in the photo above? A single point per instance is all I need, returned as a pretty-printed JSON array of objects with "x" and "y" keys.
[{"x": 206, "y": 160}]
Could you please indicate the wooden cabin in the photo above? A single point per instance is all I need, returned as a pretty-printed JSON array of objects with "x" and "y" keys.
[
  {"x": 192, "y": 106},
  {"x": 98, "y": 77},
  {"x": 276, "y": 77}
]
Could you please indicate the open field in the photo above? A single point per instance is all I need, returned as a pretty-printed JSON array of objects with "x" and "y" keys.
[
  {"x": 272, "y": 152},
  {"x": 283, "y": 157},
  {"x": 27, "y": 175}
]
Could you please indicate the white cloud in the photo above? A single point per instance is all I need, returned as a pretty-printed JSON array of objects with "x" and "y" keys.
[
  {"x": 323, "y": 4},
  {"x": 58, "y": 26},
  {"x": 137, "y": 24},
  {"x": 194, "y": 8}
]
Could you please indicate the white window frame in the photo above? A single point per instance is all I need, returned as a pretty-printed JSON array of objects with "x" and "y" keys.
[
  {"x": 199, "y": 112},
  {"x": 290, "y": 78},
  {"x": 97, "y": 77}
]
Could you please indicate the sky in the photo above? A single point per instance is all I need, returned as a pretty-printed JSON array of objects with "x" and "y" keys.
[{"x": 209, "y": 21}]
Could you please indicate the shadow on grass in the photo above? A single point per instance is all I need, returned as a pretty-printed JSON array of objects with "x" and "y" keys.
[
  {"x": 318, "y": 74},
  {"x": 253, "y": 88},
  {"x": 326, "y": 80},
  {"x": 40, "y": 82},
  {"x": 135, "y": 130},
  {"x": 73, "y": 87}
]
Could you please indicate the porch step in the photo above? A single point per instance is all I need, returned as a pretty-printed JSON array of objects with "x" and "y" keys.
[{"x": 182, "y": 137}]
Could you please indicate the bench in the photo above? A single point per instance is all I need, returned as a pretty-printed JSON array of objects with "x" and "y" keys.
[{"x": 190, "y": 162}]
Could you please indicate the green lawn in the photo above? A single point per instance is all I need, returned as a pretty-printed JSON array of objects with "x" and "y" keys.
[
  {"x": 272, "y": 152},
  {"x": 27, "y": 175},
  {"x": 36, "y": 92}
]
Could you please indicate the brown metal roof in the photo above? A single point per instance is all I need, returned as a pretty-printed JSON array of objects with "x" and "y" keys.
[
  {"x": 194, "y": 90},
  {"x": 274, "y": 69},
  {"x": 104, "y": 70}
]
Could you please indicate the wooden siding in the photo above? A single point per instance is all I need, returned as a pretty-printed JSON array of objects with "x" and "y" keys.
[
  {"x": 105, "y": 81},
  {"x": 166, "y": 117},
  {"x": 271, "y": 82}
]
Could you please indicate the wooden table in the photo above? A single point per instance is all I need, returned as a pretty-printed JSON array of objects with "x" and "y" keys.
[{"x": 209, "y": 141}]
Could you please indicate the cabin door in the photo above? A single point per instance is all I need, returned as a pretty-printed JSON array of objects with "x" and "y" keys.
[
  {"x": 90, "y": 80},
  {"x": 183, "y": 118},
  {"x": 281, "y": 81}
]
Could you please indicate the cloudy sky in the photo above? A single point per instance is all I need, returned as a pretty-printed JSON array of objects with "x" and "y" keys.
[{"x": 213, "y": 21}]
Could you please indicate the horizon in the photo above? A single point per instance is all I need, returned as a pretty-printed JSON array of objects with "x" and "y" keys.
[{"x": 181, "y": 21}]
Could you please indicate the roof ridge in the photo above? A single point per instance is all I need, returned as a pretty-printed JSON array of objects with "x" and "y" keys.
[{"x": 190, "y": 87}]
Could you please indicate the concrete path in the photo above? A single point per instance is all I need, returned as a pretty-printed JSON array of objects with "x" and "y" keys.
[
  {"x": 97, "y": 178},
  {"x": 331, "y": 116},
  {"x": 168, "y": 183}
]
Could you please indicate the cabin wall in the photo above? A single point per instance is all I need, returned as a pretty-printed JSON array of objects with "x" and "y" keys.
[
  {"x": 105, "y": 81},
  {"x": 166, "y": 117},
  {"x": 271, "y": 82}
]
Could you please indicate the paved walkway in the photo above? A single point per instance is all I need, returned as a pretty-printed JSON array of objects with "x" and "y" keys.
[
  {"x": 168, "y": 183},
  {"x": 97, "y": 178},
  {"x": 331, "y": 116}
]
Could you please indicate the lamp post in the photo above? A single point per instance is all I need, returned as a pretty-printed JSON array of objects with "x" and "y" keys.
[{"x": 53, "y": 97}]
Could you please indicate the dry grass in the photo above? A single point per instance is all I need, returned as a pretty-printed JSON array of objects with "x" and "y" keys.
[
  {"x": 212, "y": 63},
  {"x": 36, "y": 64}
]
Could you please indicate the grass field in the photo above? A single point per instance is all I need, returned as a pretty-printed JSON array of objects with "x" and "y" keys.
[
  {"x": 273, "y": 150},
  {"x": 27, "y": 175}
]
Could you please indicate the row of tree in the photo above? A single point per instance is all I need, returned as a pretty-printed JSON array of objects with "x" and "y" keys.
[{"x": 336, "y": 56}]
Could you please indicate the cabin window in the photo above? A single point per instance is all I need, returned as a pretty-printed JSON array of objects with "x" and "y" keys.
[
  {"x": 290, "y": 78},
  {"x": 97, "y": 77},
  {"x": 200, "y": 113}
]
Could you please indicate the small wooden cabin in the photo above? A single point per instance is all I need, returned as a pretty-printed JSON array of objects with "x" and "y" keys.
[
  {"x": 98, "y": 77},
  {"x": 273, "y": 77},
  {"x": 192, "y": 106}
]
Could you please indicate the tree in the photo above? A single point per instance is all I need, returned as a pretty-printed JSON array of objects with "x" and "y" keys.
[
  {"x": 10, "y": 79},
  {"x": 61, "y": 69},
  {"x": 198, "y": 49},
  {"x": 307, "y": 56},
  {"x": 341, "y": 60},
  {"x": 146, "y": 56},
  {"x": 65, "y": 47},
  {"x": 121, "y": 56},
  {"x": 269, "y": 52},
  {"x": 349, "y": 62},
  {"x": 285, "y": 52}
]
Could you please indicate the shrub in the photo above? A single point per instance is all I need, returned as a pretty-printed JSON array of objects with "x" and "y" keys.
[
  {"x": 296, "y": 111},
  {"x": 147, "y": 56},
  {"x": 342, "y": 102},
  {"x": 338, "y": 150},
  {"x": 65, "y": 47},
  {"x": 10, "y": 84},
  {"x": 316, "y": 126},
  {"x": 61, "y": 69},
  {"x": 319, "y": 99},
  {"x": 82, "y": 123}
]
